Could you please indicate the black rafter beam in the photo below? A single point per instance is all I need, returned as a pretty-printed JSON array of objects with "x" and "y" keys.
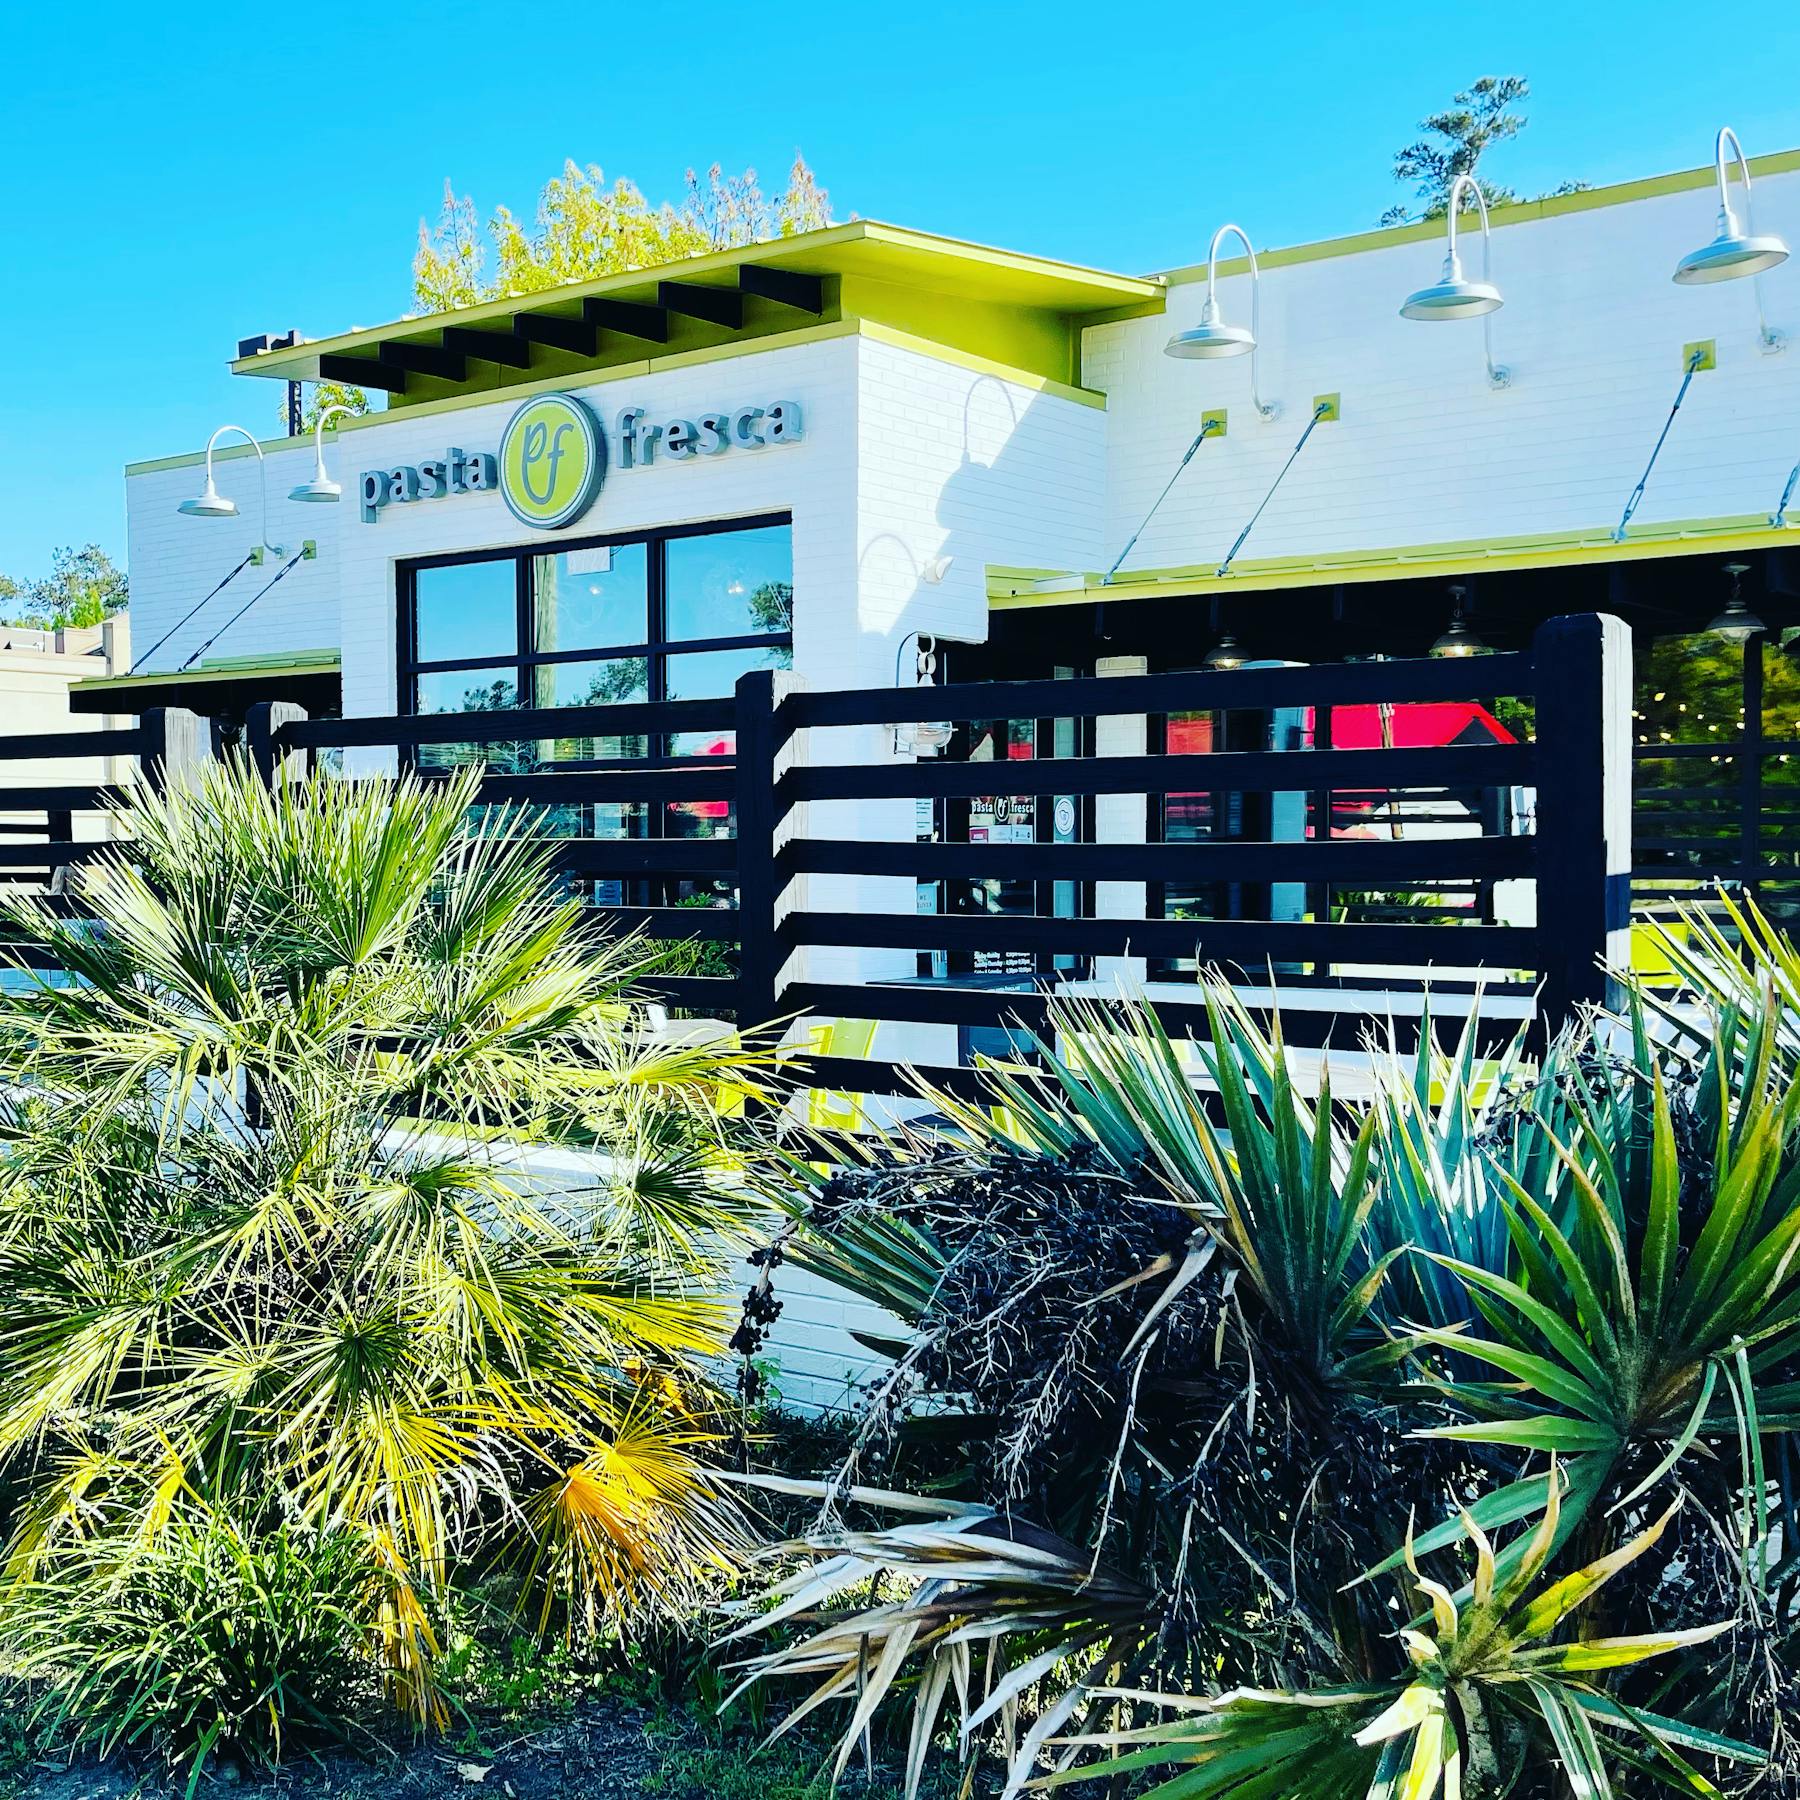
[
  {"x": 648, "y": 322},
  {"x": 362, "y": 371},
  {"x": 805, "y": 293},
  {"x": 716, "y": 306},
  {"x": 572, "y": 335},
  {"x": 425, "y": 359},
  {"x": 489, "y": 346}
]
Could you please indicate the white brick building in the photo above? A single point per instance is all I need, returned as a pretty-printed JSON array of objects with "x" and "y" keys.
[{"x": 982, "y": 434}]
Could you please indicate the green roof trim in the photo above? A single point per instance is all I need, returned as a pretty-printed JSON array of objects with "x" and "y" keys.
[
  {"x": 225, "y": 668},
  {"x": 1025, "y": 311}
]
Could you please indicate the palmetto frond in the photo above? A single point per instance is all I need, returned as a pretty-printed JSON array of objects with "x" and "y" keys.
[{"x": 973, "y": 1612}]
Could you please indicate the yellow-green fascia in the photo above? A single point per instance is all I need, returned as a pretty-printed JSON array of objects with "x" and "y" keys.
[{"x": 1012, "y": 589}]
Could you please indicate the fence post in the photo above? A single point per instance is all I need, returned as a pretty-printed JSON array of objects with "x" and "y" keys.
[
  {"x": 273, "y": 761},
  {"x": 177, "y": 744},
  {"x": 1581, "y": 669},
  {"x": 758, "y": 817}
]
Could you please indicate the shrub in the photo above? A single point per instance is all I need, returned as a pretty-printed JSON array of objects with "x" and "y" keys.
[{"x": 200, "y": 1641}]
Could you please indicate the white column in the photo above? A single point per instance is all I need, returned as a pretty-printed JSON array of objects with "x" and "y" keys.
[{"x": 1120, "y": 819}]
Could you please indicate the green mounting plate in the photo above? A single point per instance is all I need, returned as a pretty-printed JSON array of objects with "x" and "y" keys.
[
  {"x": 1217, "y": 419},
  {"x": 1333, "y": 405},
  {"x": 1707, "y": 349}
]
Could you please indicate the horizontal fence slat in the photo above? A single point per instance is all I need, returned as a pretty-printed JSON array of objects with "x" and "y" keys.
[
  {"x": 853, "y": 1075},
  {"x": 1245, "y": 942},
  {"x": 694, "y": 993},
  {"x": 607, "y": 788},
  {"x": 1231, "y": 771},
  {"x": 1307, "y": 1027},
  {"x": 1324, "y": 684},
  {"x": 122, "y": 740},
  {"x": 60, "y": 799},
  {"x": 708, "y": 924},
  {"x": 644, "y": 856},
  {"x": 531, "y": 723},
  {"x": 52, "y": 855},
  {"x": 1222, "y": 859}
]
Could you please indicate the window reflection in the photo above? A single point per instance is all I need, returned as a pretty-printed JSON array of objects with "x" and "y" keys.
[
  {"x": 731, "y": 584},
  {"x": 604, "y": 625},
  {"x": 588, "y": 599},
  {"x": 465, "y": 611}
]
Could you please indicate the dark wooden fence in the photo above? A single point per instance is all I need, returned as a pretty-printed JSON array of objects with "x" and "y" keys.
[
  {"x": 1723, "y": 810},
  {"x": 1574, "y": 681},
  {"x": 39, "y": 847}
]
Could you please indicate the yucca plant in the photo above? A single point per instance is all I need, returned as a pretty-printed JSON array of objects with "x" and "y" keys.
[
  {"x": 1588, "y": 1259},
  {"x": 264, "y": 1230},
  {"x": 1492, "y": 1681},
  {"x": 1142, "y": 1353}
]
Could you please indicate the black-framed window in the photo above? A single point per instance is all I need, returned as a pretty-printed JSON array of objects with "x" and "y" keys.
[{"x": 676, "y": 614}]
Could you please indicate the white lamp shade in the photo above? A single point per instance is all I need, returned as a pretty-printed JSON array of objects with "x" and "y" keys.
[
  {"x": 321, "y": 490},
  {"x": 1207, "y": 341},
  {"x": 211, "y": 504},
  {"x": 1452, "y": 296},
  {"x": 1731, "y": 254}
]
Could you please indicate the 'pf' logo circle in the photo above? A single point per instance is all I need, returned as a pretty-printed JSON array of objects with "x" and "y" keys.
[{"x": 552, "y": 461}]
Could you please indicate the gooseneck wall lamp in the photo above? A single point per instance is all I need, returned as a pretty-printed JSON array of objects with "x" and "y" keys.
[
  {"x": 1737, "y": 250},
  {"x": 1453, "y": 295},
  {"x": 1212, "y": 337},
  {"x": 321, "y": 489},
  {"x": 211, "y": 504}
]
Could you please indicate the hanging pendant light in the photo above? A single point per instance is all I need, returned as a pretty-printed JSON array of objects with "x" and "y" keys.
[
  {"x": 1225, "y": 654},
  {"x": 1735, "y": 622},
  {"x": 1212, "y": 338},
  {"x": 920, "y": 737},
  {"x": 1453, "y": 295},
  {"x": 1457, "y": 639}
]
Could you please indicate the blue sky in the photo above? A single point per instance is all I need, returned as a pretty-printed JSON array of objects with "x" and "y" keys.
[{"x": 175, "y": 180}]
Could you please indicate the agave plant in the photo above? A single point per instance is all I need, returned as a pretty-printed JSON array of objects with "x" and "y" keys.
[{"x": 259, "y": 1236}]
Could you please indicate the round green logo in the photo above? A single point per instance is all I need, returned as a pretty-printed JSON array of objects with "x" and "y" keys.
[{"x": 552, "y": 461}]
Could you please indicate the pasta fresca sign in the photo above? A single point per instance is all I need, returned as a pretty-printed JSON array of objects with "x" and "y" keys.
[{"x": 555, "y": 454}]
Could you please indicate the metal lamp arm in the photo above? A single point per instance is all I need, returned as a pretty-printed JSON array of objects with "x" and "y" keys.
[
  {"x": 263, "y": 470},
  {"x": 1770, "y": 340},
  {"x": 1498, "y": 377},
  {"x": 1722, "y": 163},
  {"x": 1265, "y": 410},
  {"x": 325, "y": 413}
]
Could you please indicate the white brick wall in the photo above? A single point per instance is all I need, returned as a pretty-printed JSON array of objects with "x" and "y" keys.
[
  {"x": 175, "y": 559},
  {"x": 955, "y": 462},
  {"x": 1592, "y": 329}
]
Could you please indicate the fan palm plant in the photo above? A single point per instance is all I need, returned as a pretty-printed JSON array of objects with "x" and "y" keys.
[{"x": 264, "y": 1230}]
